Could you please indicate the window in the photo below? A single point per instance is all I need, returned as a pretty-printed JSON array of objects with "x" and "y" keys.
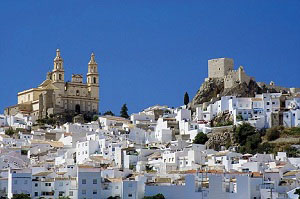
[
  {"x": 83, "y": 191},
  {"x": 94, "y": 181},
  {"x": 117, "y": 187},
  {"x": 130, "y": 195},
  {"x": 59, "y": 76},
  {"x": 83, "y": 181},
  {"x": 36, "y": 193},
  {"x": 61, "y": 193},
  {"x": 94, "y": 192},
  {"x": 95, "y": 80},
  {"x": 77, "y": 92},
  {"x": 268, "y": 103},
  {"x": 130, "y": 185},
  {"x": 70, "y": 193},
  {"x": 36, "y": 184}
]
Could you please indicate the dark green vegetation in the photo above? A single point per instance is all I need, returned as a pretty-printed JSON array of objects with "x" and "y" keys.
[
  {"x": 297, "y": 191},
  {"x": 186, "y": 99},
  {"x": 200, "y": 138},
  {"x": 10, "y": 131},
  {"x": 157, "y": 196},
  {"x": 250, "y": 140},
  {"x": 124, "y": 111},
  {"x": 273, "y": 133},
  {"x": 20, "y": 196},
  {"x": 109, "y": 113},
  {"x": 226, "y": 123},
  {"x": 61, "y": 118}
]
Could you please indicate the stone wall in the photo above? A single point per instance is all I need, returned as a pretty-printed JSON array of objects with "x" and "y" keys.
[
  {"x": 219, "y": 68},
  {"x": 235, "y": 77}
]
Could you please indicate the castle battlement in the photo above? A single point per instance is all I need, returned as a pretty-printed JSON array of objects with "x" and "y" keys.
[{"x": 223, "y": 68}]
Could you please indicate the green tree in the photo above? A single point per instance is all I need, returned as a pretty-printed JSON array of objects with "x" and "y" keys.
[
  {"x": 265, "y": 148},
  {"x": 291, "y": 151},
  {"x": 200, "y": 138},
  {"x": 272, "y": 133},
  {"x": 95, "y": 117},
  {"x": 157, "y": 196},
  {"x": 124, "y": 111},
  {"x": 297, "y": 191},
  {"x": 63, "y": 197},
  {"x": 248, "y": 138},
  {"x": 21, "y": 196},
  {"x": 113, "y": 197},
  {"x": 186, "y": 99},
  {"x": 10, "y": 131},
  {"x": 252, "y": 143},
  {"x": 109, "y": 113},
  {"x": 242, "y": 132}
]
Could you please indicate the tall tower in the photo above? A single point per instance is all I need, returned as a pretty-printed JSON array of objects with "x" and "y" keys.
[
  {"x": 93, "y": 77},
  {"x": 58, "y": 73}
]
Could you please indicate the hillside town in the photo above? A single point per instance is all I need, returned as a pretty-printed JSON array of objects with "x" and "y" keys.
[{"x": 230, "y": 147}]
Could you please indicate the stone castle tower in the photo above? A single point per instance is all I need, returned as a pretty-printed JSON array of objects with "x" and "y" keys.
[
  {"x": 55, "y": 95},
  {"x": 223, "y": 68}
]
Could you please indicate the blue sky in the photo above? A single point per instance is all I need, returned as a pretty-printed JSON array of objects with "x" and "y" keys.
[{"x": 149, "y": 52}]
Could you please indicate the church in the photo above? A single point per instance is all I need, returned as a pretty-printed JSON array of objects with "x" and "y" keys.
[{"x": 55, "y": 95}]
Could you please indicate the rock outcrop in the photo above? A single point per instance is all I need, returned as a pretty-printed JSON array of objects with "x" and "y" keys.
[
  {"x": 213, "y": 89},
  {"x": 218, "y": 139}
]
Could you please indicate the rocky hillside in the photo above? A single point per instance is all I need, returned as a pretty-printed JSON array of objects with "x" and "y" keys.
[{"x": 211, "y": 91}]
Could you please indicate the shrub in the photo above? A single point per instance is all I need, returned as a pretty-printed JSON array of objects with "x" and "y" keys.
[
  {"x": 291, "y": 151},
  {"x": 295, "y": 131},
  {"x": 242, "y": 132},
  {"x": 266, "y": 148},
  {"x": 157, "y": 196},
  {"x": 226, "y": 123},
  {"x": 272, "y": 134},
  {"x": 109, "y": 113},
  {"x": 200, "y": 138},
  {"x": 10, "y": 131},
  {"x": 21, "y": 196},
  {"x": 95, "y": 118}
]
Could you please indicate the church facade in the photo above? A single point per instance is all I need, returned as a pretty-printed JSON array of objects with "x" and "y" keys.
[{"x": 55, "y": 95}]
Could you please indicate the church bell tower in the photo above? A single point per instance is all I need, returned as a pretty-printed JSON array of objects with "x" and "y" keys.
[
  {"x": 93, "y": 77},
  {"x": 58, "y": 73}
]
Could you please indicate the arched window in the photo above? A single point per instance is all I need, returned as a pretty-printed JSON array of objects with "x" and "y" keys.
[
  {"x": 59, "y": 76},
  {"x": 95, "y": 80},
  {"x": 77, "y": 92}
]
